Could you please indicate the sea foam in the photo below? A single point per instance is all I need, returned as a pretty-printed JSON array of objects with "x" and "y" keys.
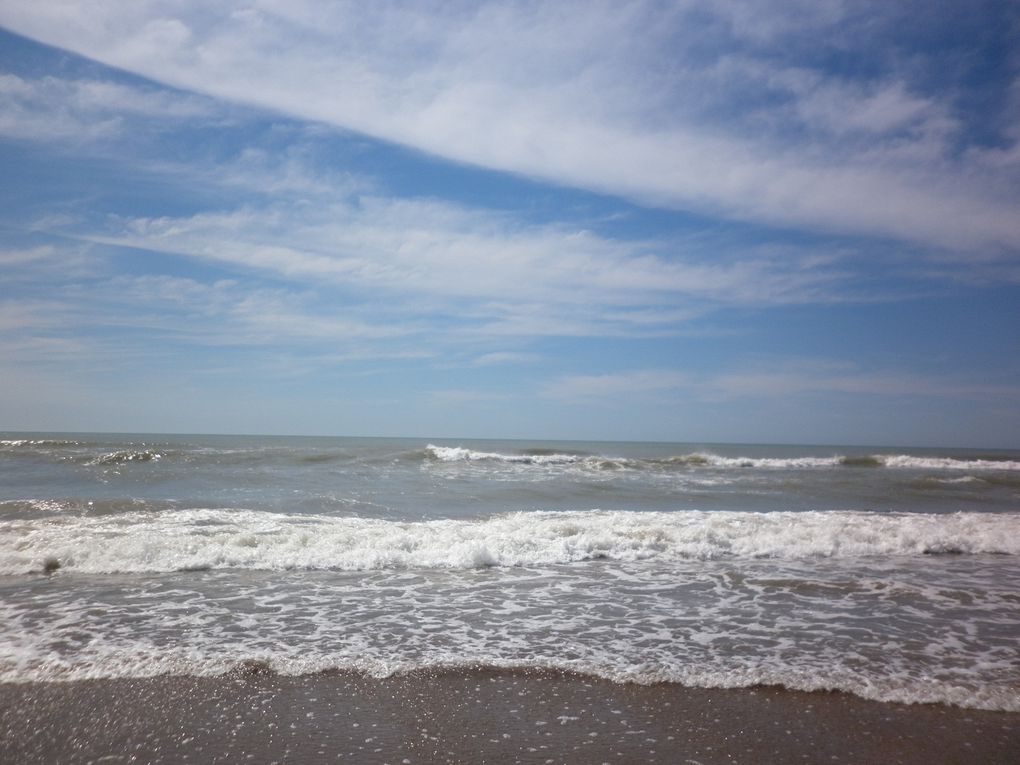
[{"x": 174, "y": 540}]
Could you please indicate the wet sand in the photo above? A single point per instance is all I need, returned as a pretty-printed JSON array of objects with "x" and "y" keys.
[{"x": 478, "y": 716}]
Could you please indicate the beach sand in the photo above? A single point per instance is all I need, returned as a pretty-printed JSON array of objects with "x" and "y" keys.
[{"x": 477, "y": 716}]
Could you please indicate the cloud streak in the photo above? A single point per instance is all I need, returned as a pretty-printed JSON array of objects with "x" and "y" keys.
[
  {"x": 660, "y": 213},
  {"x": 478, "y": 264},
  {"x": 572, "y": 94},
  {"x": 81, "y": 111}
]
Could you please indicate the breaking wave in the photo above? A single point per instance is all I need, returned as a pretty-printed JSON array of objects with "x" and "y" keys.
[
  {"x": 946, "y": 463},
  {"x": 530, "y": 457},
  {"x": 126, "y": 455},
  {"x": 142, "y": 662},
  {"x": 710, "y": 460},
  {"x": 14, "y": 443},
  {"x": 175, "y": 540}
]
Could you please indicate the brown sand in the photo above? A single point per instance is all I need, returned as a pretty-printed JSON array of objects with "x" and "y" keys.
[{"x": 478, "y": 717}]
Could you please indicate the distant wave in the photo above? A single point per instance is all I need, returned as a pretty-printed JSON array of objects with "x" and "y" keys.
[
  {"x": 946, "y": 463},
  {"x": 708, "y": 459},
  {"x": 174, "y": 540},
  {"x": 126, "y": 455},
  {"x": 82, "y": 452},
  {"x": 112, "y": 453},
  {"x": 13, "y": 443}
]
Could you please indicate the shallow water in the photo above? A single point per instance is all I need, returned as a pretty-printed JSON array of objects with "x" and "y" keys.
[{"x": 891, "y": 574}]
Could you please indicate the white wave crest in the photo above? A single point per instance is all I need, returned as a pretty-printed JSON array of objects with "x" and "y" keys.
[
  {"x": 945, "y": 463},
  {"x": 899, "y": 461},
  {"x": 242, "y": 539},
  {"x": 460, "y": 454},
  {"x": 127, "y": 455},
  {"x": 715, "y": 460},
  {"x": 710, "y": 460},
  {"x": 17, "y": 442},
  {"x": 141, "y": 661}
]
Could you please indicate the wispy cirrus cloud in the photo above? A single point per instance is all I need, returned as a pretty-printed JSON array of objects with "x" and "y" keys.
[
  {"x": 678, "y": 208},
  {"x": 435, "y": 250},
  {"x": 81, "y": 111},
  {"x": 30, "y": 314},
  {"x": 311, "y": 257},
  {"x": 354, "y": 277},
  {"x": 127, "y": 340},
  {"x": 26, "y": 255},
  {"x": 544, "y": 90}
]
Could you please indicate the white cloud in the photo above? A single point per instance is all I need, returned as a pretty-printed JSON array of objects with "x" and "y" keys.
[
  {"x": 590, "y": 96},
  {"x": 488, "y": 270},
  {"x": 30, "y": 314},
  {"x": 228, "y": 312},
  {"x": 433, "y": 247},
  {"x": 356, "y": 278},
  {"x": 26, "y": 256},
  {"x": 116, "y": 322},
  {"x": 78, "y": 111},
  {"x": 276, "y": 317}
]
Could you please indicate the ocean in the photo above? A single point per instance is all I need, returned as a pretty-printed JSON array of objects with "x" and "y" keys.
[{"x": 889, "y": 574}]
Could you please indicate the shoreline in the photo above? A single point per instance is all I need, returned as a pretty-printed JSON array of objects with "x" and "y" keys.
[{"x": 477, "y": 716}]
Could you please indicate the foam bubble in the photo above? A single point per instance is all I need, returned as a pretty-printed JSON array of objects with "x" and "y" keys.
[{"x": 903, "y": 633}]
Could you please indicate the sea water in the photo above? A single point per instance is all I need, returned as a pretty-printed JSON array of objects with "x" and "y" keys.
[{"x": 893, "y": 574}]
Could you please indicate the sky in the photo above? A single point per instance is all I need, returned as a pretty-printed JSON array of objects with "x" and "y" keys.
[{"x": 773, "y": 222}]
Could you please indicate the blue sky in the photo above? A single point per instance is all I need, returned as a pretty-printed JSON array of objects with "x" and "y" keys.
[{"x": 688, "y": 221}]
